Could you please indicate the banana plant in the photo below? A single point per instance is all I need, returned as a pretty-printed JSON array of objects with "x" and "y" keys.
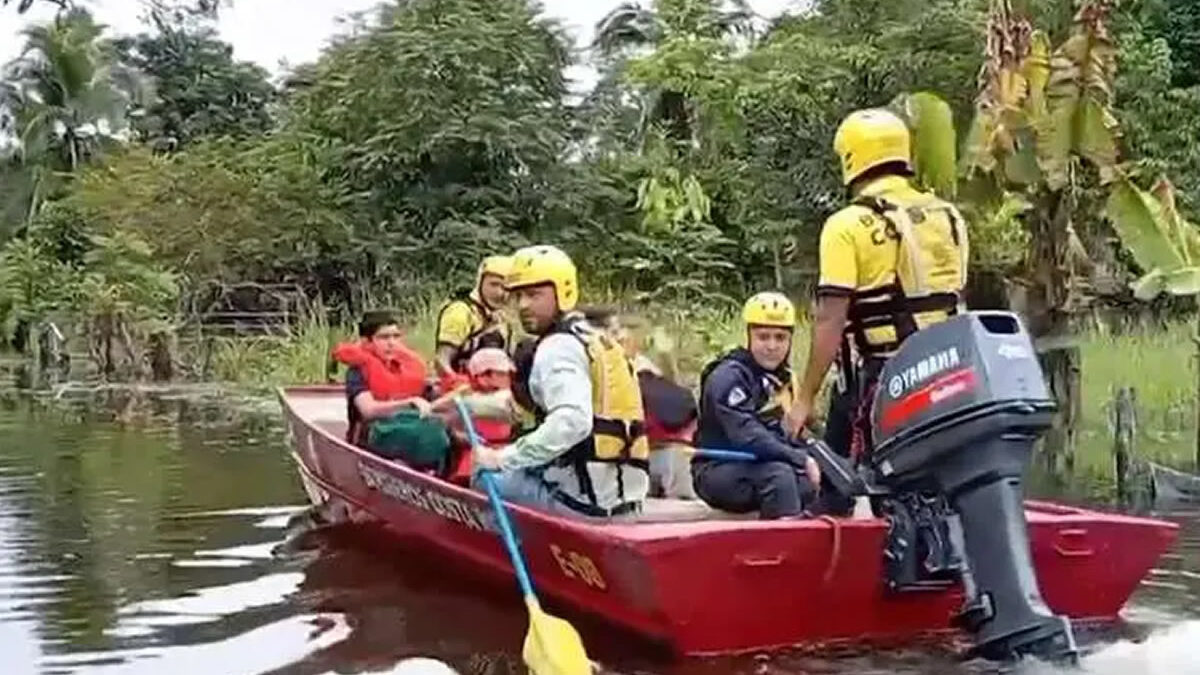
[
  {"x": 1042, "y": 112},
  {"x": 1164, "y": 245}
]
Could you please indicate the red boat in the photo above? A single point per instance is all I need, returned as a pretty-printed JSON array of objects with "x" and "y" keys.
[{"x": 703, "y": 581}]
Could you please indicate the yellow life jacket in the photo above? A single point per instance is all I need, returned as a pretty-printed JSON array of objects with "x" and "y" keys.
[
  {"x": 618, "y": 428},
  {"x": 781, "y": 398},
  {"x": 931, "y": 269},
  {"x": 488, "y": 329}
]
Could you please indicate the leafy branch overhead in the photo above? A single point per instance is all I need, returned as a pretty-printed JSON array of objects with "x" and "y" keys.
[
  {"x": 1038, "y": 108},
  {"x": 432, "y": 132}
]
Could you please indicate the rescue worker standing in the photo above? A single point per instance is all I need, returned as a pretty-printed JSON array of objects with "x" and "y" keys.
[
  {"x": 588, "y": 454},
  {"x": 472, "y": 320},
  {"x": 743, "y": 398},
  {"x": 891, "y": 263}
]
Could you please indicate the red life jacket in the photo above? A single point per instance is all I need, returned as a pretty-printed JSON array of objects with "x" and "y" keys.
[
  {"x": 450, "y": 381},
  {"x": 400, "y": 376},
  {"x": 493, "y": 433}
]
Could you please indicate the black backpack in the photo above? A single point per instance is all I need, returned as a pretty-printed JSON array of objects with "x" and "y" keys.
[{"x": 672, "y": 405}]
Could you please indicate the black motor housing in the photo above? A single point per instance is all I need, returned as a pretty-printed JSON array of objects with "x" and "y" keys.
[{"x": 957, "y": 412}]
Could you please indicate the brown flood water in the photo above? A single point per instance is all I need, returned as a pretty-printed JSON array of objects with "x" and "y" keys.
[{"x": 167, "y": 533}]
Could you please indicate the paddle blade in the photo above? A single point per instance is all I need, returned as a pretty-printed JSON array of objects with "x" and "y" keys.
[{"x": 553, "y": 646}]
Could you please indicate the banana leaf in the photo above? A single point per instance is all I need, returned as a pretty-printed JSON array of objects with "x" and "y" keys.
[
  {"x": 1138, "y": 219},
  {"x": 934, "y": 151}
]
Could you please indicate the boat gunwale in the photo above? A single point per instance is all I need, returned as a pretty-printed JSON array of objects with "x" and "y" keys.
[{"x": 644, "y": 532}]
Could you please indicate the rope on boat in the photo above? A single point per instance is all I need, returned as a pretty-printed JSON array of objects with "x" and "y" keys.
[{"x": 835, "y": 555}]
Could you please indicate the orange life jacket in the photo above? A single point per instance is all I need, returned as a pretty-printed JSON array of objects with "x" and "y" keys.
[
  {"x": 400, "y": 376},
  {"x": 450, "y": 381}
]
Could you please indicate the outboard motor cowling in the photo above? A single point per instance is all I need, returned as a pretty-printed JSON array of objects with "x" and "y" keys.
[{"x": 957, "y": 412}]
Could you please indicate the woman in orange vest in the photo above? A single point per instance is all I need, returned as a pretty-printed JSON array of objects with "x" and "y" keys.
[{"x": 384, "y": 376}]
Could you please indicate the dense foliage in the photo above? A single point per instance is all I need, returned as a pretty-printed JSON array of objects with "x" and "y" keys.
[{"x": 696, "y": 168}]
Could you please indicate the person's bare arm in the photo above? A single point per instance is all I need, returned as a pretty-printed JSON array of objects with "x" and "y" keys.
[
  {"x": 827, "y": 330},
  {"x": 495, "y": 405},
  {"x": 828, "y": 326}
]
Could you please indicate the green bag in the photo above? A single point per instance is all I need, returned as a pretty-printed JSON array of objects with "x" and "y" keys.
[{"x": 420, "y": 441}]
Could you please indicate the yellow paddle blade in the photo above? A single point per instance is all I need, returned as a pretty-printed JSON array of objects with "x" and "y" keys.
[{"x": 553, "y": 646}]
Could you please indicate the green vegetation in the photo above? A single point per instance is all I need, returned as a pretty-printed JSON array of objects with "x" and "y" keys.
[
  {"x": 1159, "y": 361},
  {"x": 142, "y": 176}
]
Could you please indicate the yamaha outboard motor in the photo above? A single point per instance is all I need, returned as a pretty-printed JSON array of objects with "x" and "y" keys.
[{"x": 957, "y": 412}]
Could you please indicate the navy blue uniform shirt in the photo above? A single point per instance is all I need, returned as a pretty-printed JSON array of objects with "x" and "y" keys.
[{"x": 734, "y": 391}]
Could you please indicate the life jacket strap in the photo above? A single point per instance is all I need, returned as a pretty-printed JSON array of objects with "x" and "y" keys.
[{"x": 888, "y": 306}]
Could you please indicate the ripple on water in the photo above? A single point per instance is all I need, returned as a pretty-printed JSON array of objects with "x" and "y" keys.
[
  {"x": 138, "y": 548},
  {"x": 222, "y": 600},
  {"x": 259, "y": 650}
]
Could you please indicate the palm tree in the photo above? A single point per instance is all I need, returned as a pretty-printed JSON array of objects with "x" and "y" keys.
[
  {"x": 62, "y": 100},
  {"x": 1043, "y": 119},
  {"x": 632, "y": 27}
]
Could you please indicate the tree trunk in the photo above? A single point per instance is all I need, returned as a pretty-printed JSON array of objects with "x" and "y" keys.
[
  {"x": 777, "y": 254},
  {"x": 106, "y": 337},
  {"x": 987, "y": 289},
  {"x": 1062, "y": 371},
  {"x": 1051, "y": 326},
  {"x": 162, "y": 362},
  {"x": 20, "y": 338},
  {"x": 1124, "y": 424},
  {"x": 130, "y": 346}
]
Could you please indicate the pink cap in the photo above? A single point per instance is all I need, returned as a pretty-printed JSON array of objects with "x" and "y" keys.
[{"x": 490, "y": 359}]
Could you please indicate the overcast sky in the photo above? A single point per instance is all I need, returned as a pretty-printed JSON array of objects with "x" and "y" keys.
[{"x": 273, "y": 32}]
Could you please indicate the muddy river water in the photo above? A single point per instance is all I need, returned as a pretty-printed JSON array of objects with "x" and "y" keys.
[{"x": 167, "y": 533}]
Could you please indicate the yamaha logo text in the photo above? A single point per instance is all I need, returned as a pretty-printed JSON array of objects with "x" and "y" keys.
[{"x": 922, "y": 370}]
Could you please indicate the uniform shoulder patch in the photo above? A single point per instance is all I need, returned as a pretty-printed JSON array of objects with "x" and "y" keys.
[{"x": 736, "y": 396}]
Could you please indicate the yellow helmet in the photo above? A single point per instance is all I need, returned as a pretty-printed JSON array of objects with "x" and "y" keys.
[
  {"x": 499, "y": 265},
  {"x": 536, "y": 265},
  {"x": 868, "y": 138},
  {"x": 769, "y": 309}
]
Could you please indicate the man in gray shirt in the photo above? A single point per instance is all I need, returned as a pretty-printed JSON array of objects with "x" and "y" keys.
[{"x": 588, "y": 454}]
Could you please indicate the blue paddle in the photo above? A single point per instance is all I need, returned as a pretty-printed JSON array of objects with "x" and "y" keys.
[
  {"x": 725, "y": 455},
  {"x": 552, "y": 646}
]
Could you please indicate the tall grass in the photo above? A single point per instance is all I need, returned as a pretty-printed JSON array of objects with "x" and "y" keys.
[
  {"x": 1158, "y": 361},
  {"x": 300, "y": 354}
]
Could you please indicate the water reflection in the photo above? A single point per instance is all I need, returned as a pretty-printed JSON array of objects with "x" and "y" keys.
[{"x": 168, "y": 534}]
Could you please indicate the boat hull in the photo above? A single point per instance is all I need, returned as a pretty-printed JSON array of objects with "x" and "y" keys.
[{"x": 710, "y": 586}]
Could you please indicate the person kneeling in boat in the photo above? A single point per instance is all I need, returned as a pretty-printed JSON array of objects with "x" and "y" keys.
[
  {"x": 587, "y": 456},
  {"x": 743, "y": 397},
  {"x": 669, "y": 410},
  {"x": 385, "y": 384},
  {"x": 472, "y": 320}
]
